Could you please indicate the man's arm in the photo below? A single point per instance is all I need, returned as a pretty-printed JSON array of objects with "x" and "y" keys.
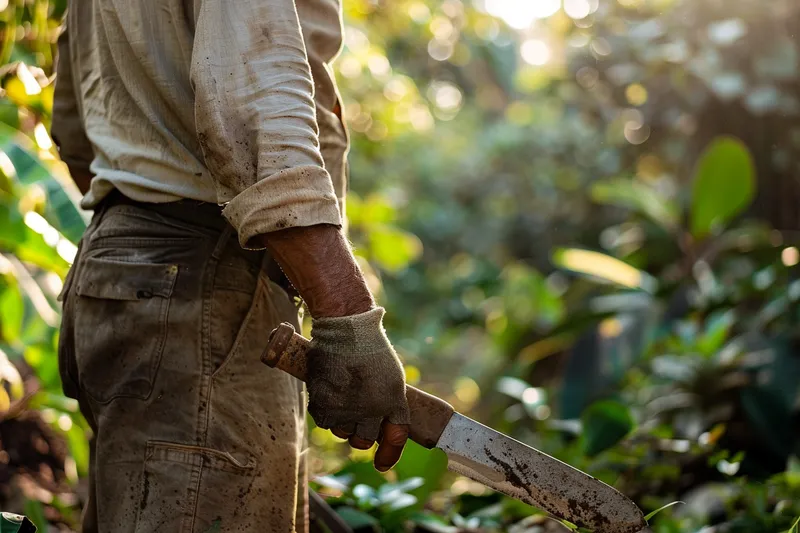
[
  {"x": 256, "y": 125},
  {"x": 256, "y": 118},
  {"x": 319, "y": 263},
  {"x": 67, "y": 129}
]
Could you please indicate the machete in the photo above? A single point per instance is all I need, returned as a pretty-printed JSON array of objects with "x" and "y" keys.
[{"x": 491, "y": 458}]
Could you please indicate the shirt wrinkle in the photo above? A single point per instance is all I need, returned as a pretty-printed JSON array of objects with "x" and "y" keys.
[{"x": 210, "y": 100}]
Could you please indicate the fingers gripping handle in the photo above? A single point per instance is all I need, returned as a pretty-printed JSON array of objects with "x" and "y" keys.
[{"x": 288, "y": 351}]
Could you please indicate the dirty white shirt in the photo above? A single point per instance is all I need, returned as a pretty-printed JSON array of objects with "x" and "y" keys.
[{"x": 224, "y": 101}]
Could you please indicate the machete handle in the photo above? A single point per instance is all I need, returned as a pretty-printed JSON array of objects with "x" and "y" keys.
[{"x": 288, "y": 351}]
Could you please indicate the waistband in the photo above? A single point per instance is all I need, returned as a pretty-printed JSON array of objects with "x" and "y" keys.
[
  {"x": 196, "y": 213},
  {"x": 206, "y": 215}
]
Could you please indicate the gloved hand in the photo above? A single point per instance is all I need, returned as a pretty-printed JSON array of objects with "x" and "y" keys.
[{"x": 355, "y": 379}]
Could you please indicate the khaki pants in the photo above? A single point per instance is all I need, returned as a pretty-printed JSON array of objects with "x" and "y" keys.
[{"x": 165, "y": 318}]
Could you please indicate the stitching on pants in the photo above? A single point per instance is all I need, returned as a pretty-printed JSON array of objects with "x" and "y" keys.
[
  {"x": 204, "y": 411},
  {"x": 259, "y": 295},
  {"x": 182, "y": 453}
]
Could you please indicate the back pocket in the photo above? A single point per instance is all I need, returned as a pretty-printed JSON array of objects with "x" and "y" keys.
[{"x": 120, "y": 326}]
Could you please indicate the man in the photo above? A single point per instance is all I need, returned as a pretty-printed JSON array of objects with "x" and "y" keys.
[{"x": 203, "y": 132}]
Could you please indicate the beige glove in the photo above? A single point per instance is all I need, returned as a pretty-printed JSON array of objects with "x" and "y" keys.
[{"x": 355, "y": 379}]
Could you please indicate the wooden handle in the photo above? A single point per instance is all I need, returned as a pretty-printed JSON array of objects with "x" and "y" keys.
[{"x": 287, "y": 351}]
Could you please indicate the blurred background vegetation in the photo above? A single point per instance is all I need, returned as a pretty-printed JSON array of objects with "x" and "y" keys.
[{"x": 581, "y": 215}]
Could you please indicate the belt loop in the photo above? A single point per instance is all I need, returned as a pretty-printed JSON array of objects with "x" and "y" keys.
[
  {"x": 222, "y": 242},
  {"x": 97, "y": 216}
]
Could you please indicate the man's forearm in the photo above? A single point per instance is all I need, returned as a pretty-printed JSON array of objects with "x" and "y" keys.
[{"x": 319, "y": 263}]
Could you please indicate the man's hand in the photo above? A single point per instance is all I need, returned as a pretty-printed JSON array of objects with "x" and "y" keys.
[{"x": 356, "y": 383}]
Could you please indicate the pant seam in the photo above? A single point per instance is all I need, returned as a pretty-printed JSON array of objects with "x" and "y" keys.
[
  {"x": 259, "y": 298},
  {"x": 197, "y": 477},
  {"x": 204, "y": 389},
  {"x": 204, "y": 410}
]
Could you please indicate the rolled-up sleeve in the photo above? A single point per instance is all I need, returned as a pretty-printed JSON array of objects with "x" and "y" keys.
[
  {"x": 67, "y": 128},
  {"x": 255, "y": 117}
]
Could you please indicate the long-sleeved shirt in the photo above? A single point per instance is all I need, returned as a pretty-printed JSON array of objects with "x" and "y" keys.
[{"x": 224, "y": 101}]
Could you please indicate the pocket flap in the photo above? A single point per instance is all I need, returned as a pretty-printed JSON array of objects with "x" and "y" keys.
[{"x": 119, "y": 280}]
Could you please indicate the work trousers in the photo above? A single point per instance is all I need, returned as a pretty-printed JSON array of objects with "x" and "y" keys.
[{"x": 165, "y": 319}]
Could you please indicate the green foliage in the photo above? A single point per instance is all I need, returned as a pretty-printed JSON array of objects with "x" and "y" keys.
[
  {"x": 11, "y": 311},
  {"x": 358, "y": 519},
  {"x": 724, "y": 185},
  {"x": 603, "y": 267},
  {"x": 651, "y": 514},
  {"x": 638, "y": 197},
  {"x": 605, "y": 423},
  {"x": 40, "y": 225}
]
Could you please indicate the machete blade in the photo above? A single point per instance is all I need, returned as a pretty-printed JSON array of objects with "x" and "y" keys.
[{"x": 513, "y": 468}]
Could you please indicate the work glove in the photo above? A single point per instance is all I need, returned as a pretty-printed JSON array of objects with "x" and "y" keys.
[{"x": 355, "y": 379}]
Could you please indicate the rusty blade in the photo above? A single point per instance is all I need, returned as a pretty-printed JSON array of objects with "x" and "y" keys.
[{"x": 513, "y": 468}]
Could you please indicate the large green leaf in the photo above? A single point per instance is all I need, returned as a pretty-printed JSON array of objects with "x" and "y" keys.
[
  {"x": 9, "y": 113},
  {"x": 12, "y": 312},
  {"x": 603, "y": 267},
  {"x": 26, "y": 244},
  {"x": 724, "y": 185},
  {"x": 716, "y": 332},
  {"x": 605, "y": 423},
  {"x": 633, "y": 194},
  {"x": 60, "y": 210},
  {"x": 357, "y": 519}
]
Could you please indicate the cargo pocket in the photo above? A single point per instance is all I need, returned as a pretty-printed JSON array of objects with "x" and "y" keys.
[
  {"x": 194, "y": 488},
  {"x": 120, "y": 318}
]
